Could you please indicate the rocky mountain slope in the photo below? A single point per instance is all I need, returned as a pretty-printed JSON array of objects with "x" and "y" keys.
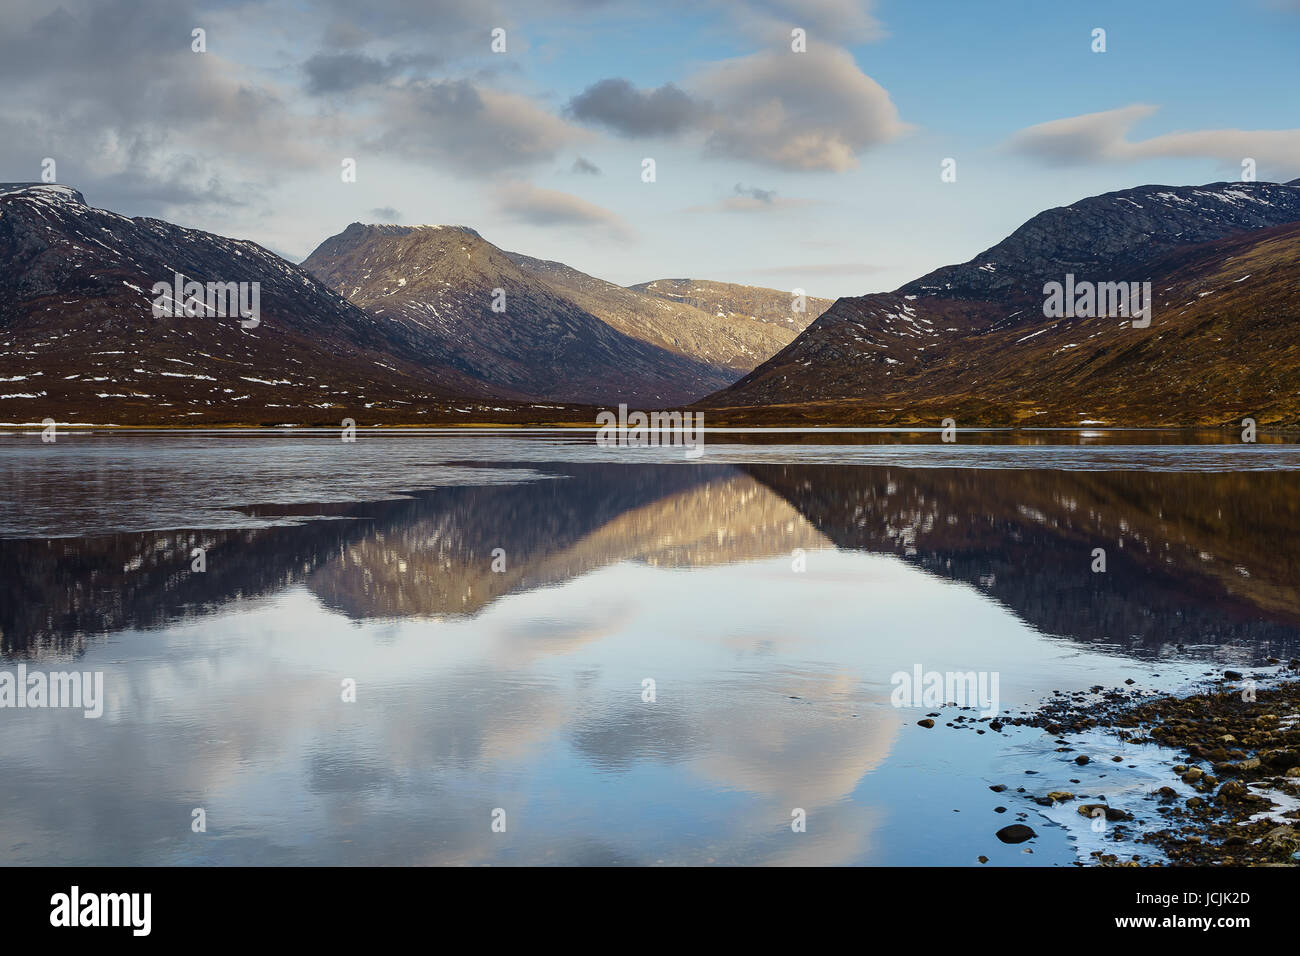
[
  {"x": 709, "y": 324},
  {"x": 438, "y": 284},
  {"x": 407, "y": 333},
  {"x": 729, "y": 300},
  {"x": 972, "y": 341},
  {"x": 79, "y": 340}
]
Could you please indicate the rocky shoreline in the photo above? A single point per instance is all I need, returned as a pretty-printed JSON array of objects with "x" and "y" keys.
[{"x": 1239, "y": 741}]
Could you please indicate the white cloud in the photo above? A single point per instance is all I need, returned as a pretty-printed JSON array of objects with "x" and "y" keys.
[
  {"x": 798, "y": 111},
  {"x": 1104, "y": 138}
]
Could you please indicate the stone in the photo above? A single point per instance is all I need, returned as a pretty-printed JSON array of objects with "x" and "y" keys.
[
  {"x": 1016, "y": 833},
  {"x": 1230, "y": 791}
]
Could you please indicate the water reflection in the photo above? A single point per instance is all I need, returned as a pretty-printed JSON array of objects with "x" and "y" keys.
[
  {"x": 1195, "y": 559},
  {"x": 523, "y": 688},
  {"x": 1206, "y": 559}
]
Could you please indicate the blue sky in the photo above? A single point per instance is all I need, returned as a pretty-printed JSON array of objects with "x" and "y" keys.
[{"x": 815, "y": 170}]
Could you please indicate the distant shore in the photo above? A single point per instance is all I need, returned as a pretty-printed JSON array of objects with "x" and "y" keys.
[{"x": 1191, "y": 434}]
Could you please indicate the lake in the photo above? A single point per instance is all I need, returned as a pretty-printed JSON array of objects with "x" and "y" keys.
[{"x": 513, "y": 647}]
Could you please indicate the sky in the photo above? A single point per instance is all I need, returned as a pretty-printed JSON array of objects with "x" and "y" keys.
[{"x": 817, "y": 169}]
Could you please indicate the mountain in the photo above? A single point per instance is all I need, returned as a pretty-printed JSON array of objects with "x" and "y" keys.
[
  {"x": 745, "y": 302},
  {"x": 708, "y": 326},
  {"x": 80, "y": 341},
  {"x": 438, "y": 284},
  {"x": 382, "y": 324},
  {"x": 1108, "y": 236},
  {"x": 972, "y": 341},
  {"x": 398, "y": 325}
]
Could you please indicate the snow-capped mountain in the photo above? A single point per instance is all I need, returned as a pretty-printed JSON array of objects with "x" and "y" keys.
[
  {"x": 977, "y": 342},
  {"x": 81, "y": 340},
  {"x": 1109, "y": 235}
]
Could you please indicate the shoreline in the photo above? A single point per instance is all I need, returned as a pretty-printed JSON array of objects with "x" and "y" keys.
[
  {"x": 1239, "y": 747},
  {"x": 1276, "y": 434}
]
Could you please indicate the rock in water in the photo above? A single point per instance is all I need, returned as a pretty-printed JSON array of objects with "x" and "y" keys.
[{"x": 1016, "y": 833}]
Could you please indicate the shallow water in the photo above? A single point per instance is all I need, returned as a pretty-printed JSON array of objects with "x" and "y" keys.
[{"x": 770, "y": 590}]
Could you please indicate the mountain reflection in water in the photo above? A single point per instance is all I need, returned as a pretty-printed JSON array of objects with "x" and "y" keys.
[{"x": 1196, "y": 559}]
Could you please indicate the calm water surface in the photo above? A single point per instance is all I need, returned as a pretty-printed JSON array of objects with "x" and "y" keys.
[{"x": 770, "y": 589}]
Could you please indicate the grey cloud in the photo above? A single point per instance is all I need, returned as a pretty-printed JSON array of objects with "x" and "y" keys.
[
  {"x": 340, "y": 72},
  {"x": 751, "y": 199},
  {"x": 526, "y": 203},
  {"x": 619, "y": 106},
  {"x": 814, "y": 111},
  {"x": 179, "y": 185},
  {"x": 753, "y": 192},
  {"x": 474, "y": 130},
  {"x": 450, "y": 20},
  {"x": 386, "y": 213},
  {"x": 585, "y": 166},
  {"x": 342, "y": 35},
  {"x": 113, "y": 92}
]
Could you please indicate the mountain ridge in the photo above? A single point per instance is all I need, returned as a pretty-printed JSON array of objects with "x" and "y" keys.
[
  {"x": 971, "y": 341},
  {"x": 542, "y": 328},
  {"x": 473, "y": 308},
  {"x": 732, "y": 342},
  {"x": 82, "y": 279}
]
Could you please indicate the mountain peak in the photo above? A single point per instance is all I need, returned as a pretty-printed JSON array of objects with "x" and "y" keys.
[
  {"x": 1112, "y": 234},
  {"x": 977, "y": 342},
  {"x": 82, "y": 277},
  {"x": 474, "y": 307},
  {"x": 387, "y": 229},
  {"x": 43, "y": 191}
]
